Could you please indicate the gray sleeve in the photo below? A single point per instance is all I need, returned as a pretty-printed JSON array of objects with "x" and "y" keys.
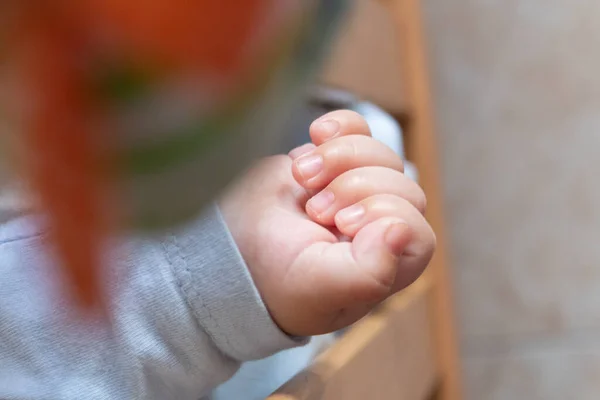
[
  {"x": 185, "y": 314},
  {"x": 218, "y": 288}
]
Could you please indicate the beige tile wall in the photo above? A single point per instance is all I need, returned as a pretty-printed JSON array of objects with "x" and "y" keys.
[{"x": 517, "y": 87}]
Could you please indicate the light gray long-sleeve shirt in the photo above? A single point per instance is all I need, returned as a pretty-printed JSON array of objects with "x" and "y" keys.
[{"x": 185, "y": 314}]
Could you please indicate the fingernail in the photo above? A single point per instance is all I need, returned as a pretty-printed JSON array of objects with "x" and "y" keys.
[
  {"x": 321, "y": 202},
  {"x": 351, "y": 215},
  {"x": 397, "y": 237},
  {"x": 309, "y": 166},
  {"x": 301, "y": 150},
  {"x": 329, "y": 128}
]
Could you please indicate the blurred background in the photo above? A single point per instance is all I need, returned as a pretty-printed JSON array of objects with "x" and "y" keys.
[
  {"x": 517, "y": 108},
  {"x": 508, "y": 92},
  {"x": 499, "y": 106}
]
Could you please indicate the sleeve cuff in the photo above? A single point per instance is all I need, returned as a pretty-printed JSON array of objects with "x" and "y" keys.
[{"x": 219, "y": 289}]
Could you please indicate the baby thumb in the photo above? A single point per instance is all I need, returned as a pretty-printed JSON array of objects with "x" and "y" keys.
[
  {"x": 342, "y": 281},
  {"x": 376, "y": 249}
]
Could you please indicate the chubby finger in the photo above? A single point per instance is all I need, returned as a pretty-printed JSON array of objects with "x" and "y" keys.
[
  {"x": 316, "y": 169},
  {"x": 331, "y": 125},
  {"x": 417, "y": 254},
  {"x": 351, "y": 219},
  {"x": 301, "y": 150},
  {"x": 338, "y": 282},
  {"x": 358, "y": 184},
  {"x": 338, "y": 123}
]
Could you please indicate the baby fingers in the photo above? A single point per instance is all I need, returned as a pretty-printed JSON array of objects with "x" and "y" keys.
[
  {"x": 358, "y": 184},
  {"x": 416, "y": 254},
  {"x": 317, "y": 168}
]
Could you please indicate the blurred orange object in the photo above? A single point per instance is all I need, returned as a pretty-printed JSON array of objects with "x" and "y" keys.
[
  {"x": 64, "y": 162},
  {"x": 205, "y": 34},
  {"x": 117, "y": 105}
]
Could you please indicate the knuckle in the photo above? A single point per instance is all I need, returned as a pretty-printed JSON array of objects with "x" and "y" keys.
[
  {"x": 351, "y": 150},
  {"x": 340, "y": 158},
  {"x": 343, "y": 150},
  {"x": 354, "y": 181}
]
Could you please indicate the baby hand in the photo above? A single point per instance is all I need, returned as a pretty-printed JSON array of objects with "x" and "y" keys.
[{"x": 331, "y": 229}]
